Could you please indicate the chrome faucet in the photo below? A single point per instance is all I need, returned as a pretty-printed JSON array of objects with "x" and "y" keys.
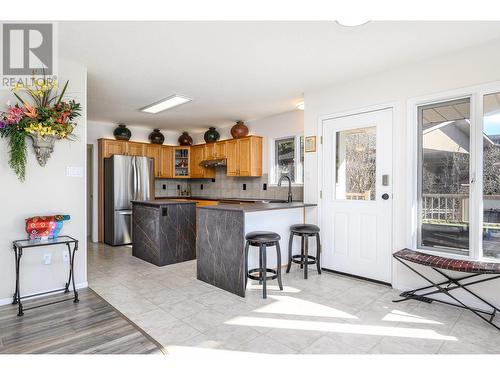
[{"x": 289, "y": 200}]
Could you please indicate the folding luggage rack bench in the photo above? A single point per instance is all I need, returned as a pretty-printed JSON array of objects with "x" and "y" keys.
[{"x": 474, "y": 269}]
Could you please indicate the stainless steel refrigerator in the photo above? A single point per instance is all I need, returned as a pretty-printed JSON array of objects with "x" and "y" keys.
[{"x": 126, "y": 178}]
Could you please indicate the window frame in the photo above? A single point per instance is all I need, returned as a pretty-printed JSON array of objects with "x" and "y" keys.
[
  {"x": 476, "y": 95},
  {"x": 419, "y": 176},
  {"x": 298, "y": 165}
]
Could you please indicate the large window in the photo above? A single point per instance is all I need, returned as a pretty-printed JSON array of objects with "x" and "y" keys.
[
  {"x": 491, "y": 175},
  {"x": 444, "y": 158},
  {"x": 288, "y": 159},
  {"x": 459, "y": 176}
]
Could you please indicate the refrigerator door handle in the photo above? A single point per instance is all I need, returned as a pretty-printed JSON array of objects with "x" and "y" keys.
[
  {"x": 125, "y": 212},
  {"x": 134, "y": 179}
]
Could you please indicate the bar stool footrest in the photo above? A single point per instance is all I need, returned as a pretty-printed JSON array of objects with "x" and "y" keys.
[
  {"x": 299, "y": 259},
  {"x": 273, "y": 273}
]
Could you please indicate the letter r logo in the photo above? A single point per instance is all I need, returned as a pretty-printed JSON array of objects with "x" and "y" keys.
[{"x": 27, "y": 48}]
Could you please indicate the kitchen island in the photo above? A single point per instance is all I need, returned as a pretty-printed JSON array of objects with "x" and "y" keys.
[
  {"x": 220, "y": 239},
  {"x": 163, "y": 231}
]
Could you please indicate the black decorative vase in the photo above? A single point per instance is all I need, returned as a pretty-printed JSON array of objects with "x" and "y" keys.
[
  {"x": 156, "y": 137},
  {"x": 211, "y": 135},
  {"x": 122, "y": 133},
  {"x": 185, "y": 139}
]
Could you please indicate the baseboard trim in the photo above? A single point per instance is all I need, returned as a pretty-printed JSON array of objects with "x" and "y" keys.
[
  {"x": 357, "y": 277},
  {"x": 8, "y": 301}
]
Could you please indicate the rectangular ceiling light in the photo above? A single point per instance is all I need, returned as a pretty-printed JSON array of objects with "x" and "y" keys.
[{"x": 167, "y": 103}]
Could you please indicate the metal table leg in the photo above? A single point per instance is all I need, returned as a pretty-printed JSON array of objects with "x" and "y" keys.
[
  {"x": 72, "y": 272},
  {"x": 19, "y": 253}
]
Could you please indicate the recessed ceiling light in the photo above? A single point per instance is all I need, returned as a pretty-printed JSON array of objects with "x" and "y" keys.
[
  {"x": 351, "y": 22},
  {"x": 300, "y": 105},
  {"x": 167, "y": 103}
]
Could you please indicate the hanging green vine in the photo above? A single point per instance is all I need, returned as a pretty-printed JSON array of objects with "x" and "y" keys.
[{"x": 17, "y": 161}]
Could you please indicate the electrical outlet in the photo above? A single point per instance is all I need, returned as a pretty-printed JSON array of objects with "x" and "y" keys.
[
  {"x": 264, "y": 186},
  {"x": 65, "y": 256},
  {"x": 201, "y": 186},
  {"x": 47, "y": 258},
  {"x": 244, "y": 186},
  {"x": 164, "y": 186}
]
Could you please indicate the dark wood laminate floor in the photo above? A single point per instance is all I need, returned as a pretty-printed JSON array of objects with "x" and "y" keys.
[{"x": 90, "y": 326}]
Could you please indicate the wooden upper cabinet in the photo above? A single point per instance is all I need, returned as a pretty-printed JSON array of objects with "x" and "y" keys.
[
  {"x": 245, "y": 151},
  {"x": 135, "y": 148},
  {"x": 166, "y": 162},
  {"x": 244, "y": 156},
  {"x": 197, "y": 156},
  {"x": 232, "y": 155},
  {"x": 210, "y": 151},
  {"x": 154, "y": 151},
  {"x": 111, "y": 147},
  {"x": 182, "y": 163},
  {"x": 220, "y": 150}
]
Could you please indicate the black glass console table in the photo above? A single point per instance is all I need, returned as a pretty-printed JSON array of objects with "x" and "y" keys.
[{"x": 20, "y": 245}]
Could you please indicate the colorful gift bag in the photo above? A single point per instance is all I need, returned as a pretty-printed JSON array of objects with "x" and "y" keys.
[{"x": 45, "y": 227}]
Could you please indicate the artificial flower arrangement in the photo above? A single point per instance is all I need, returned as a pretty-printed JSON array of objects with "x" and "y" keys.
[{"x": 44, "y": 117}]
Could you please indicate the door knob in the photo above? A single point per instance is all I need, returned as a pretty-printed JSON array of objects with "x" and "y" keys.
[{"x": 385, "y": 196}]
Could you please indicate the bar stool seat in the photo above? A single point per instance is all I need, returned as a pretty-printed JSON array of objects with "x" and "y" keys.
[
  {"x": 304, "y": 259},
  {"x": 304, "y": 229},
  {"x": 262, "y": 239}
]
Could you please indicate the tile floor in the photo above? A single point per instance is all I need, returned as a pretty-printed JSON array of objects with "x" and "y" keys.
[{"x": 326, "y": 314}]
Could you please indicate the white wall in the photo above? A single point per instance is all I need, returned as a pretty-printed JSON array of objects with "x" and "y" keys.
[
  {"x": 465, "y": 68},
  {"x": 47, "y": 191},
  {"x": 96, "y": 130}
]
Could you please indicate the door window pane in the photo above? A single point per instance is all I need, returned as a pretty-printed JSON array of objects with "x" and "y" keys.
[
  {"x": 355, "y": 173},
  {"x": 491, "y": 176},
  {"x": 444, "y": 146}
]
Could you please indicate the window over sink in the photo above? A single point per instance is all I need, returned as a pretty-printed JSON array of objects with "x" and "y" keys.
[{"x": 287, "y": 159}]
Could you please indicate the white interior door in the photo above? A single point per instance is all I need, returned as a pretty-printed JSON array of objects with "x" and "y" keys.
[{"x": 357, "y": 194}]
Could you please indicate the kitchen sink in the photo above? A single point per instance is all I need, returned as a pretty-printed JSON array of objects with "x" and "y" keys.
[{"x": 275, "y": 201}]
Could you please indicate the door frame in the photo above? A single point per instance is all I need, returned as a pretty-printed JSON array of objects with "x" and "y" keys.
[
  {"x": 396, "y": 163},
  {"x": 475, "y": 93}
]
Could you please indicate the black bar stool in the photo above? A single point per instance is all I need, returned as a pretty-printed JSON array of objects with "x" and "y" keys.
[
  {"x": 262, "y": 240},
  {"x": 304, "y": 259}
]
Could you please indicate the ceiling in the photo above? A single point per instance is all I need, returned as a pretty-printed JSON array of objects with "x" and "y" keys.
[{"x": 241, "y": 70}]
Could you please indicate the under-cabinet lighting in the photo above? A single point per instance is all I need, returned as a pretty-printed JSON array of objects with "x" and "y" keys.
[{"x": 300, "y": 105}]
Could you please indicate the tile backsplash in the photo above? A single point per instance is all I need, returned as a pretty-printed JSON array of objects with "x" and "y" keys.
[{"x": 227, "y": 187}]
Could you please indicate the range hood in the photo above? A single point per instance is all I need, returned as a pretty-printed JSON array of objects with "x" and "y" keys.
[{"x": 213, "y": 163}]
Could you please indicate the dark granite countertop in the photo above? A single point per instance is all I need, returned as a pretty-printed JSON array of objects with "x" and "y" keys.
[
  {"x": 257, "y": 206},
  {"x": 162, "y": 202}
]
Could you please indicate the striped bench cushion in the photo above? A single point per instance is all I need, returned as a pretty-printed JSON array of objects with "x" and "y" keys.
[{"x": 448, "y": 263}]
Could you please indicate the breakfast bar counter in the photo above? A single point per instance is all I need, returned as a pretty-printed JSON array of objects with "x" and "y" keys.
[{"x": 220, "y": 239}]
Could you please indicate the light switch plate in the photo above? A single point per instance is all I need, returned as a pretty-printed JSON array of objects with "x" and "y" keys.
[
  {"x": 72, "y": 171},
  {"x": 47, "y": 258},
  {"x": 65, "y": 256}
]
